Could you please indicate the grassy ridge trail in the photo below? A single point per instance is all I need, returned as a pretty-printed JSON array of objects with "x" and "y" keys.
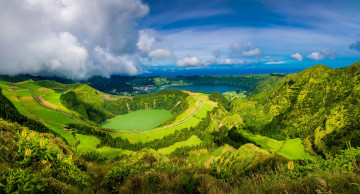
[{"x": 42, "y": 104}]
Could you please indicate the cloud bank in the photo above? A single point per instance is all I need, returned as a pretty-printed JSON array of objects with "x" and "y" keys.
[{"x": 74, "y": 39}]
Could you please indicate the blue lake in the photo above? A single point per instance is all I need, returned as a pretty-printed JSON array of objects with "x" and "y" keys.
[{"x": 207, "y": 88}]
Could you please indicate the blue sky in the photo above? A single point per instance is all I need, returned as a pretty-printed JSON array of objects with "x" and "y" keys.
[
  {"x": 319, "y": 31},
  {"x": 82, "y": 38}
]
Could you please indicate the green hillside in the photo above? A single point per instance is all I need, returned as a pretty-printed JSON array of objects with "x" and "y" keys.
[
  {"x": 295, "y": 133},
  {"x": 319, "y": 105}
]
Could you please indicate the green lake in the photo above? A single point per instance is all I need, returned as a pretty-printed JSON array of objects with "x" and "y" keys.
[{"x": 138, "y": 120}]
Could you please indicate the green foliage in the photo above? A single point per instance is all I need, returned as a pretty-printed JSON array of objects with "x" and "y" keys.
[
  {"x": 118, "y": 175},
  {"x": 93, "y": 156},
  {"x": 21, "y": 181},
  {"x": 31, "y": 159},
  {"x": 54, "y": 84},
  {"x": 319, "y": 103},
  {"x": 86, "y": 110},
  {"x": 220, "y": 99}
]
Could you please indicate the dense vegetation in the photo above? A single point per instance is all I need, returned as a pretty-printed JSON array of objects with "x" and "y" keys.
[
  {"x": 295, "y": 133},
  {"x": 86, "y": 110},
  {"x": 319, "y": 105}
]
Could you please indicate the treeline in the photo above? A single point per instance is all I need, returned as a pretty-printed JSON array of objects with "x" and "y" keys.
[
  {"x": 9, "y": 112},
  {"x": 54, "y": 84},
  {"x": 220, "y": 99},
  {"x": 244, "y": 81},
  {"x": 24, "y": 77},
  {"x": 113, "y": 85}
]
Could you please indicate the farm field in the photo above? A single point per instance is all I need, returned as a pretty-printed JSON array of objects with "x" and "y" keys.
[{"x": 138, "y": 120}]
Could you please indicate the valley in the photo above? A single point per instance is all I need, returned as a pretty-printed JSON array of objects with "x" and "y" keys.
[{"x": 222, "y": 137}]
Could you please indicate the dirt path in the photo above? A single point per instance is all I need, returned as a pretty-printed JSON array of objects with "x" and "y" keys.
[{"x": 42, "y": 104}]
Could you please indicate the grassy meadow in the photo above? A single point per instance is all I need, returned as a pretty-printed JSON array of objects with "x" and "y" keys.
[{"x": 137, "y": 120}]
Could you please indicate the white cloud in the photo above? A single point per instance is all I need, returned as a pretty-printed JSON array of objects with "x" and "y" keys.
[
  {"x": 150, "y": 45},
  {"x": 190, "y": 61},
  {"x": 324, "y": 53},
  {"x": 331, "y": 53},
  {"x": 252, "y": 53},
  {"x": 160, "y": 53},
  {"x": 297, "y": 56},
  {"x": 229, "y": 61},
  {"x": 63, "y": 37},
  {"x": 244, "y": 50},
  {"x": 274, "y": 62},
  {"x": 317, "y": 56}
]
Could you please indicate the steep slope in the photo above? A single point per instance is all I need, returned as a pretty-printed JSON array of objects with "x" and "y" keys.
[
  {"x": 319, "y": 104},
  {"x": 32, "y": 162}
]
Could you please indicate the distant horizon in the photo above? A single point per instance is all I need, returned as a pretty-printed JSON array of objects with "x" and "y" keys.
[{"x": 173, "y": 71}]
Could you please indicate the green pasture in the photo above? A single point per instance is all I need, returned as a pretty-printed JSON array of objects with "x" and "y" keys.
[
  {"x": 192, "y": 141},
  {"x": 30, "y": 84},
  {"x": 138, "y": 120},
  {"x": 187, "y": 113},
  {"x": 60, "y": 130},
  {"x": 113, "y": 152},
  {"x": 87, "y": 143},
  {"x": 47, "y": 114},
  {"x": 264, "y": 142},
  {"x": 292, "y": 148},
  {"x": 52, "y": 97},
  {"x": 203, "y": 111}
]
